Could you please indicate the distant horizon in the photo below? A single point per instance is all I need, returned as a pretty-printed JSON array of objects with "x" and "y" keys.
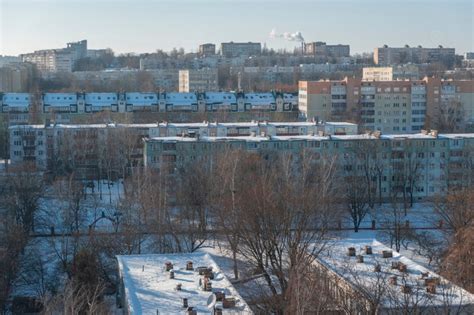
[{"x": 145, "y": 26}]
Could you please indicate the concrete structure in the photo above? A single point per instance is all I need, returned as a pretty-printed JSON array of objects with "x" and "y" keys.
[
  {"x": 207, "y": 49},
  {"x": 387, "y": 56},
  {"x": 198, "y": 80},
  {"x": 436, "y": 162},
  {"x": 240, "y": 49},
  {"x": 176, "y": 284},
  {"x": 325, "y": 50},
  {"x": 391, "y": 106},
  {"x": 364, "y": 276}
]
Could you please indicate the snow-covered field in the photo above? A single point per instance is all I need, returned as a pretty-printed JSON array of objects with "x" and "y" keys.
[{"x": 43, "y": 262}]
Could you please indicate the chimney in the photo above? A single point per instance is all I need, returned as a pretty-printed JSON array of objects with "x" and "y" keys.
[
  {"x": 185, "y": 302},
  {"x": 168, "y": 266},
  {"x": 387, "y": 254},
  {"x": 351, "y": 251},
  {"x": 360, "y": 258},
  {"x": 368, "y": 250},
  {"x": 189, "y": 265}
]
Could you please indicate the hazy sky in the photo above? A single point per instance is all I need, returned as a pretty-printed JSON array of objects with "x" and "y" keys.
[{"x": 147, "y": 25}]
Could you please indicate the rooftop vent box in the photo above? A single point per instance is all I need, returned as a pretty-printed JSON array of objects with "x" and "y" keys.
[
  {"x": 387, "y": 254},
  {"x": 351, "y": 251},
  {"x": 368, "y": 250}
]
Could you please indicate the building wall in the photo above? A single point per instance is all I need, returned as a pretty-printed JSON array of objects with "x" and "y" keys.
[
  {"x": 399, "y": 106},
  {"x": 437, "y": 162}
]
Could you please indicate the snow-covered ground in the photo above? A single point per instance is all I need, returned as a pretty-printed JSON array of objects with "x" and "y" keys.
[{"x": 42, "y": 265}]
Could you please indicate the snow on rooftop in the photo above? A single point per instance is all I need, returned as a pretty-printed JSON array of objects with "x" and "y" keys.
[
  {"x": 220, "y": 98},
  {"x": 141, "y": 99},
  {"x": 291, "y": 98},
  {"x": 183, "y": 99},
  {"x": 258, "y": 138},
  {"x": 339, "y": 123},
  {"x": 259, "y": 98},
  {"x": 456, "y": 135},
  {"x": 16, "y": 99},
  {"x": 60, "y": 99},
  {"x": 101, "y": 99},
  {"x": 362, "y": 275},
  {"x": 148, "y": 287}
]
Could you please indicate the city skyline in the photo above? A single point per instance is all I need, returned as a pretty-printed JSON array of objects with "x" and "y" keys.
[{"x": 153, "y": 25}]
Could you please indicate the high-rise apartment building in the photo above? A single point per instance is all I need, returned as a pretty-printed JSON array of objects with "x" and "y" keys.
[
  {"x": 240, "y": 49},
  {"x": 57, "y": 60},
  {"x": 386, "y": 56},
  {"x": 400, "y": 106},
  {"x": 198, "y": 80},
  {"x": 207, "y": 49},
  {"x": 325, "y": 50},
  {"x": 437, "y": 162}
]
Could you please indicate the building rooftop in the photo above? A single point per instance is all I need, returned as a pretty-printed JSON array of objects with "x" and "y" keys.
[
  {"x": 149, "y": 288},
  {"x": 362, "y": 275}
]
